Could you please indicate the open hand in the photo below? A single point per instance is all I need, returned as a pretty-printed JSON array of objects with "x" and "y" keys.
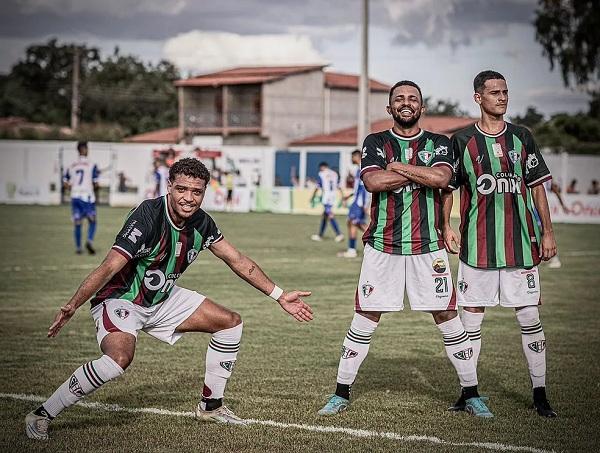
[
  {"x": 451, "y": 240},
  {"x": 62, "y": 317},
  {"x": 293, "y": 304}
]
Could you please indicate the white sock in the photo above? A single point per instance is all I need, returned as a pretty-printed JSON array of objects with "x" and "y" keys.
[
  {"x": 84, "y": 380},
  {"x": 534, "y": 344},
  {"x": 355, "y": 348},
  {"x": 220, "y": 360},
  {"x": 459, "y": 351},
  {"x": 472, "y": 323}
]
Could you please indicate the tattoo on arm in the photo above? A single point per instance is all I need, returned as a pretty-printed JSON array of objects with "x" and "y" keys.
[{"x": 251, "y": 269}]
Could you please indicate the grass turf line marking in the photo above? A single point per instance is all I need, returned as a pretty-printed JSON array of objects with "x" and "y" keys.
[{"x": 313, "y": 428}]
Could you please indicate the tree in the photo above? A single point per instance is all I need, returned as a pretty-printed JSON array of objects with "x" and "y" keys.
[
  {"x": 530, "y": 119},
  {"x": 443, "y": 107}
]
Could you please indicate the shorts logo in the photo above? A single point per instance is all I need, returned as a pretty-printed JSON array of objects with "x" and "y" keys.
[
  {"x": 75, "y": 387},
  {"x": 439, "y": 265},
  {"x": 122, "y": 313},
  {"x": 465, "y": 354},
  {"x": 191, "y": 255},
  {"x": 537, "y": 346},
  {"x": 367, "y": 289},
  {"x": 348, "y": 353},
  {"x": 462, "y": 286},
  {"x": 425, "y": 156},
  {"x": 228, "y": 365}
]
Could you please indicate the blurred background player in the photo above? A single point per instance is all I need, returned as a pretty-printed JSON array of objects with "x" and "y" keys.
[
  {"x": 161, "y": 177},
  {"x": 329, "y": 185},
  {"x": 357, "y": 212},
  {"x": 81, "y": 178},
  {"x": 500, "y": 172}
]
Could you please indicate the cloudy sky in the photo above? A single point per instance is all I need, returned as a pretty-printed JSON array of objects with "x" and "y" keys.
[{"x": 440, "y": 44}]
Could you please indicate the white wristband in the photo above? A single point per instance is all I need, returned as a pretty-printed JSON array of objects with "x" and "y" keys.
[{"x": 276, "y": 293}]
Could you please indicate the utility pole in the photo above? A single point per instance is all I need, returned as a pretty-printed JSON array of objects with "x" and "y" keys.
[
  {"x": 75, "y": 91},
  {"x": 363, "y": 89}
]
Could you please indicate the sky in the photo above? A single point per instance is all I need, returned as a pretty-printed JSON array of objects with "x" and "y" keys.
[{"x": 440, "y": 44}]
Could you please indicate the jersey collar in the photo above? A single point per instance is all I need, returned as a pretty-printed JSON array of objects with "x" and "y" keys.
[
  {"x": 401, "y": 137},
  {"x": 491, "y": 135},
  {"x": 169, "y": 215}
]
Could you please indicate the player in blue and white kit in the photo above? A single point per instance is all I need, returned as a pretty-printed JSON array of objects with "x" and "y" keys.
[
  {"x": 329, "y": 185},
  {"x": 161, "y": 177},
  {"x": 82, "y": 178},
  {"x": 357, "y": 213}
]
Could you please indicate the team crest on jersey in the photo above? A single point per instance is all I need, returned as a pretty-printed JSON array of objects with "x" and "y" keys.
[
  {"x": 228, "y": 365},
  {"x": 367, "y": 289},
  {"x": 537, "y": 346},
  {"x": 462, "y": 286},
  {"x": 122, "y": 313},
  {"x": 348, "y": 353},
  {"x": 409, "y": 153},
  {"x": 532, "y": 161},
  {"x": 465, "y": 354},
  {"x": 75, "y": 387},
  {"x": 425, "y": 156},
  {"x": 439, "y": 265},
  {"x": 191, "y": 255},
  {"x": 513, "y": 156}
]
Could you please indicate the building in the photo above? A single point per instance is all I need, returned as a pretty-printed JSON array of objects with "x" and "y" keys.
[{"x": 271, "y": 105}]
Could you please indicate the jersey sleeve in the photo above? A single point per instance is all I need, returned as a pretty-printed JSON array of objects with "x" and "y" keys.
[
  {"x": 442, "y": 154},
  {"x": 135, "y": 232},
  {"x": 95, "y": 174},
  {"x": 457, "y": 180},
  {"x": 373, "y": 155},
  {"x": 210, "y": 232},
  {"x": 536, "y": 170}
]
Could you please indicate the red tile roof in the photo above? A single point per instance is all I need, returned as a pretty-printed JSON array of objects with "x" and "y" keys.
[
  {"x": 246, "y": 75},
  {"x": 350, "y": 81},
  {"x": 169, "y": 135},
  {"x": 439, "y": 124}
]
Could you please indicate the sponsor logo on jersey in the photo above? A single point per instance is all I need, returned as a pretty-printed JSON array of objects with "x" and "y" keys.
[
  {"x": 143, "y": 251},
  {"x": 134, "y": 235},
  {"x": 537, "y": 346},
  {"x": 191, "y": 255},
  {"x": 439, "y": 265},
  {"x": 380, "y": 153},
  {"x": 178, "y": 246},
  {"x": 501, "y": 182},
  {"x": 479, "y": 159},
  {"x": 367, "y": 289},
  {"x": 209, "y": 240},
  {"x": 364, "y": 152},
  {"x": 532, "y": 161},
  {"x": 348, "y": 353},
  {"x": 409, "y": 153},
  {"x": 441, "y": 150},
  {"x": 155, "y": 280},
  {"x": 75, "y": 387},
  {"x": 465, "y": 354},
  {"x": 513, "y": 156},
  {"x": 425, "y": 156},
  {"x": 497, "y": 149},
  {"x": 122, "y": 313},
  {"x": 462, "y": 286},
  {"x": 228, "y": 365}
]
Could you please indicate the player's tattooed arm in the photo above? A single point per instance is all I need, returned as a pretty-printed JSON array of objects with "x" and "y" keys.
[
  {"x": 112, "y": 264},
  {"x": 384, "y": 181},
  {"x": 436, "y": 177}
]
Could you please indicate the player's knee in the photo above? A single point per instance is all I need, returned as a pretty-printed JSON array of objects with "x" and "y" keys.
[
  {"x": 122, "y": 358},
  {"x": 443, "y": 316},
  {"x": 528, "y": 316},
  {"x": 234, "y": 320}
]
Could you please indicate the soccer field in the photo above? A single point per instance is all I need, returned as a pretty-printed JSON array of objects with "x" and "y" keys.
[{"x": 285, "y": 369}]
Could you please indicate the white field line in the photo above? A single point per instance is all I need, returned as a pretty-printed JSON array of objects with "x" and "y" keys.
[
  {"x": 313, "y": 428},
  {"x": 580, "y": 253}
]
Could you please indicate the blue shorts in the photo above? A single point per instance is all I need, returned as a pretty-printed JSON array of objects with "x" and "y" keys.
[
  {"x": 327, "y": 209},
  {"x": 81, "y": 209},
  {"x": 357, "y": 215}
]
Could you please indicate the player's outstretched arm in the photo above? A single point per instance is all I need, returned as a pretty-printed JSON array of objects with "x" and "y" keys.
[
  {"x": 451, "y": 240},
  {"x": 384, "y": 180},
  {"x": 436, "y": 177},
  {"x": 548, "y": 246},
  {"x": 112, "y": 264},
  {"x": 251, "y": 272}
]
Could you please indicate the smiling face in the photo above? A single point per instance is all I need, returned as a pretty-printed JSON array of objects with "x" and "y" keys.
[
  {"x": 185, "y": 197},
  {"x": 405, "y": 106},
  {"x": 493, "y": 97}
]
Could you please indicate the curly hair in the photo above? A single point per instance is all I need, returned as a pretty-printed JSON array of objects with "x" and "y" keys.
[{"x": 189, "y": 167}]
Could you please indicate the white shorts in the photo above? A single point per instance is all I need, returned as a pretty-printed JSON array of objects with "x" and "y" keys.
[
  {"x": 160, "y": 321},
  {"x": 384, "y": 276},
  {"x": 511, "y": 287}
]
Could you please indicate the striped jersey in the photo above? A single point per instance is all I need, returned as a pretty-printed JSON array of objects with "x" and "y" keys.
[
  {"x": 495, "y": 174},
  {"x": 158, "y": 252},
  {"x": 405, "y": 221},
  {"x": 82, "y": 175}
]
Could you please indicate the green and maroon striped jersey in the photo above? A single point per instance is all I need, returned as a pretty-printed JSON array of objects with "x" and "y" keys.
[
  {"x": 495, "y": 174},
  {"x": 405, "y": 221},
  {"x": 158, "y": 252}
]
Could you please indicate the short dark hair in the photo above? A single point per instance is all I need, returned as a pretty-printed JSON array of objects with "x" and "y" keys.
[
  {"x": 484, "y": 76},
  {"x": 324, "y": 164},
  {"x": 189, "y": 167},
  {"x": 81, "y": 144},
  {"x": 403, "y": 83},
  {"x": 356, "y": 151}
]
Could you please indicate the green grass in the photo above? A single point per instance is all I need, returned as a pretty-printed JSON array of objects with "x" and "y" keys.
[{"x": 285, "y": 369}]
